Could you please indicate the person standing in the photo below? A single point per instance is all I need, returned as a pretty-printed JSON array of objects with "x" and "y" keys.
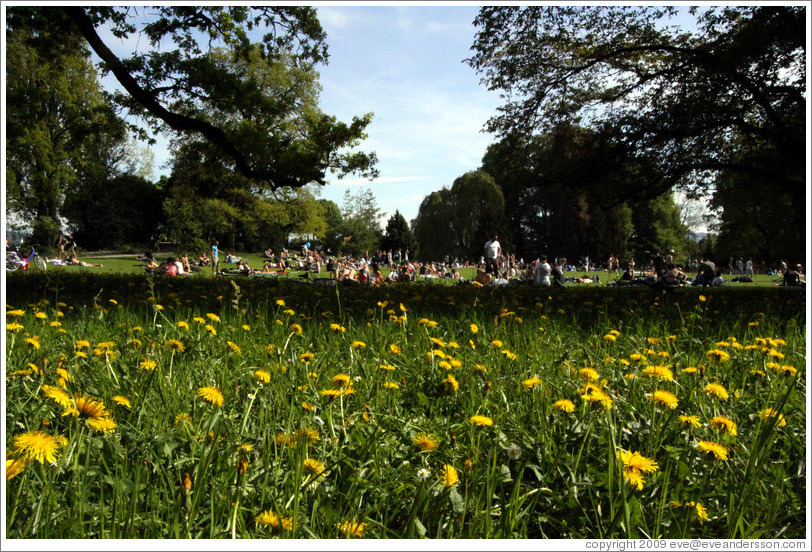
[
  {"x": 492, "y": 251},
  {"x": 215, "y": 257}
]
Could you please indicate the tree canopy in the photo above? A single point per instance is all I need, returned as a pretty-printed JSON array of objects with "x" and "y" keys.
[
  {"x": 677, "y": 95},
  {"x": 178, "y": 83}
]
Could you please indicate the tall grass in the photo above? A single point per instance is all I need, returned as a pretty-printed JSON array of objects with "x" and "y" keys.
[{"x": 325, "y": 389}]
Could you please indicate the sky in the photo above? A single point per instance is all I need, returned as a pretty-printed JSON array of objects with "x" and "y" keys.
[{"x": 406, "y": 65}]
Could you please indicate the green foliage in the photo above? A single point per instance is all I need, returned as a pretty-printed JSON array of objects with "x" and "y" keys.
[
  {"x": 398, "y": 235},
  {"x": 361, "y": 229},
  {"x": 658, "y": 228},
  {"x": 458, "y": 221},
  {"x": 178, "y": 465}
]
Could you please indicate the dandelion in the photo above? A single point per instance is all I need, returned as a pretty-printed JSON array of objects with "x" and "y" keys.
[
  {"x": 664, "y": 398},
  {"x": 445, "y": 365},
  {"x": 391, "y": 385},
  {"x": 564, "y": 405},
  {"x": 449, "y": 476},
  {"x": 718, "y": 451},
  {"x": 148, "y": 364},
  {"x": 122, "y": 401},
  {"x": 183, "y": 325},
  {"x": 723, "y": 423},
  {"x": 634, "y": 466},
  {"x": 338, "y": 328},
  {"x": 38, "y": 446},
  {"x": 102, "y": 425},
  {"x": 182, "y": 418},
  {"x": 14, "y": 327},
  {"x": 296, "y": 329},
  {"x": 15, "y": 312},
  {"x": 769, "y": 413},
  {"x": 787, "y": 370},
  {"x": 658, "y": 372},
  {"x": 394, "y": 349},
  {"x": 33, "y": 342},
  {"x": 262, "y": 376},
  {"x": 588, "y": 374},
  {"x": 690, "y": 370},
  {"x": 718, "y": 355},
  {"x": 331, "y": 393},
  {"x": 717, "y": 391},
  {"x": 610, "y": 337},
  {"x": 637, "y": 357},
  {"x": 211, "y": 395},
  {"x": 306, "y": 357},
  {"x": 175, "y": 345},
  {"x": 85, "y": 406},
  {"x": 289, "y": 312},
  {"x": 213, "y": 317},
  {"x": 509, "y": 354},
  {"x": 452, "y": 382},
  {"x": 387, "y": 367},
  {"x": 313, "y": 468},
  {"x": 280, "y": 302},
  {"x": 358, "y": 345},
  {"x": 497, "y": 343},
  {"x": 480, "y": 420},
  {"x": 702, "y": 298},
  {"x": 474, "y": 328},
  {"x": 341, "y": 380},
  {"x": 530, "y": 383},
  {"x": 594, "y": 394},
  {"x": 57, "y": 395},
  {"x": 234, "y": 347},
  {"x": 41, "y": 315},
  {"x": 425, "y": 442},
  {"x": 352, "y": 528},
  {"x": 15, "y": 466},
  {"x": 690, "y": 421}
]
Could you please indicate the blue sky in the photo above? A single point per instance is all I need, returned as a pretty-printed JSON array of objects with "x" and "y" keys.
[{"x": 405, "y": 64}]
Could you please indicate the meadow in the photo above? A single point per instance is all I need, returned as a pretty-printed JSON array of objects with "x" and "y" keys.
[{"x": 213, "y": 407}]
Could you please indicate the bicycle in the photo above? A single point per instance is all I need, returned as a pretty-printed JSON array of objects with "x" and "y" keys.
[{"x": 15, "y": 261}]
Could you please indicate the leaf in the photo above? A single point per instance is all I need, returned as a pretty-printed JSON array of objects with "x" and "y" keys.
[
  {"x": 457, "y": 502},
  {"x": 421, "y": 529}
]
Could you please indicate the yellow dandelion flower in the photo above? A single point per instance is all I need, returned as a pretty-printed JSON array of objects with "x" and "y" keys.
[
  {"x": 510, "y": 355},
  {"x": 769, "y": 413},
  {"x": 658, "y": 372},
  {"x": 719, "y": 452},
  {"x": 102, "y": 425},
  {"x": 41, "y": 315},
  {"x": 718, "y": 355},
  {"x": 33, "y": 342},
  {"x": 452, "y": 382},
  {"x": 425, "y": 442},
  {"x": 588, "y": 374},
  {"x": 723, "y": 423},
  {"x": 530, "y": 383},
  {"x": 690, "y": 421},
  {"x": 394, "y": 349},
  {"x": 564, "y": 405},
  {"x": 690, "y": 370},
  {"x": 175, "y": 345},
  {"x": 444, "y": 364},
  {"x": 337, "y": 328},
  {"x": 289, "y": 312},
  {"x": 306, "y": 405},
  {"x": 15, "y": 312},
  {"x": 15, "y": 466},
  {"x": 358, "y": 345},
  {"x": 199, "y": 319},
  {"x": 716, "y": 390},
  {"x": 496, "y": 343},
  {"x": 610, "y": 337},
  {"x": 38, "y": 446},
  {"x": 787, "y": 370},
  {"x": 234, "y": 347},
  {"x": 296, "y": 329},
  {"x": 122, "y": 401},
  {"x": 212, "y": 316},
  {"x": 280, "y": 302},
  {"x": 148, "y": 364},
  {"x": 474, "y": 328},
  {"x": 57, "y": 395},
  {"x": 306, "y": 357},
  {"x": 14, "y": 327},
  {"x": 341, "y": 380},
  {"x": 246, "y": 327},
  {"x": 313, "y": 468},
  {"x": 211, "y": 395},
  {"x": 480, "y": 420},
  {"x": 387, "y": 367},
  {"x": 182, "y": 418},
  {"x": 352, "y": 528},
  {"x": 183, "y": 325},
  {"x": 664, "y": 398},
  {"x": 262, "y": 376},
  {"x": 330, "y": 393},
  {"x": 594, "y": 394},
  {"x": 449, "y": 476}
]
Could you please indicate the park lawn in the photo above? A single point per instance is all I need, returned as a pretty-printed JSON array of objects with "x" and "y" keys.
[{"x": 127, "y": 264}]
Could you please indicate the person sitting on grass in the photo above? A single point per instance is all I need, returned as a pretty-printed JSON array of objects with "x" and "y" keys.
[
  {"x": 72, "y": 260},
  {"x": 168, "y": 267},
  {"x": 792, "y": 276}
]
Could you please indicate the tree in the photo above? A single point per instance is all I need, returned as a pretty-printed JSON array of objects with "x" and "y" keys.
[
  {"x": 398, "y": 235},
  {"x": 458, "y": 221},
  {"x": 361, "y": 232},
  {"x": 193, "y": 91},
  {"x": 658, "y": 228},
  {"x": 674, "y": 96},
  {"x": 61, "y": 130}
]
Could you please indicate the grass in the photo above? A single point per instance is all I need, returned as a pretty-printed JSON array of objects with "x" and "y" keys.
[{"x": 327, "y": 392}]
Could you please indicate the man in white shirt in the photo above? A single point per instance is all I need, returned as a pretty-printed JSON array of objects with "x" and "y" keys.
[{"x": 492, "y": 252}]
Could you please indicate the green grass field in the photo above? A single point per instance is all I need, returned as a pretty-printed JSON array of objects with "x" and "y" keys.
[{"x": 216, "y": 407}]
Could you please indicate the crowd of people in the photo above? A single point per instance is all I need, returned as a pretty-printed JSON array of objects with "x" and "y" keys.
[{"x": 494, "y": 267}]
